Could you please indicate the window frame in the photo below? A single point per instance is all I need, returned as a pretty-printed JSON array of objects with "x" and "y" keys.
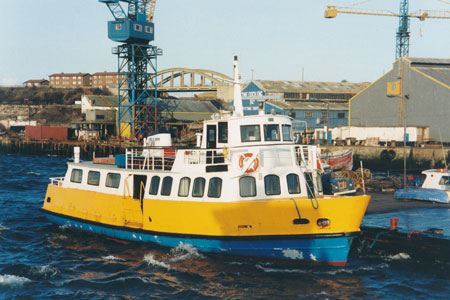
[
  {"x": 298, "y": 184},
  {"x": 89, "y": 180},
  {"x": 217, "y": 195},
  {"x": 163, "y": 186},
  {"x": 266, "y": 126},
  {"x": 258, "y": 139},
  {"x": 252, "y": 181},
  {"x": 289, "y": 131},
  {"x": 110, "y": 174},
  {"x": 72, "y": 175},
  {"x": 151, "y": 190},
  {"x": 188, "y": 186},
  {"x": 194, "y": 187},
  {"x": 266, "y": 185}
]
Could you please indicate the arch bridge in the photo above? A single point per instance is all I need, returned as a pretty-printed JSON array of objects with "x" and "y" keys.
[{"x": 191, "y": 80}]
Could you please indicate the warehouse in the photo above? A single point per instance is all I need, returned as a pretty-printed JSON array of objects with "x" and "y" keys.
[{"x": 416, "y": 95}]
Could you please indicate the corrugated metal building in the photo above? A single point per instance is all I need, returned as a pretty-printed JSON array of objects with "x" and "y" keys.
[{"x": 426, "y": 90}]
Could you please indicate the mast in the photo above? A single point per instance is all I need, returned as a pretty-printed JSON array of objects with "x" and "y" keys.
[{"x": 237, "y": 101}]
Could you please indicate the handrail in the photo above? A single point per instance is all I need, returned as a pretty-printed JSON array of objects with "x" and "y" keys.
[{"x": 56, "y": 180}]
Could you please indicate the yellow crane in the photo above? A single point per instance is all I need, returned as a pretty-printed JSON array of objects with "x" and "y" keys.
[
  {"x": 151, "y": 12},
  {"x": 402, "y": 41}
]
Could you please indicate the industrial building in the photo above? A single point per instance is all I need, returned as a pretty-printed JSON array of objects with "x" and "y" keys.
[{"x": 415, "y": 93}]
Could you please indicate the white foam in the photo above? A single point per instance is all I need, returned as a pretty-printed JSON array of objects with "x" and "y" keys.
[
  {"x": 183, "y": 252},
  {"x": 3, "y": 227},
  {"x": 149, "y": 259},
  {"x": 33, "y": 173},
  {"x": 13, "y": 280},
  {"x": 399, "y": 256},
  {"x": 45, "y": 270},
  {"x": 113, "y": 258},
  {"x": 273, "y": 270}
]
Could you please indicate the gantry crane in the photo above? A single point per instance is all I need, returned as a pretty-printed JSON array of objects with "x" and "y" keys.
[
  {"x": 137, "y": 67},
  {"x": 402, "y": 36}
]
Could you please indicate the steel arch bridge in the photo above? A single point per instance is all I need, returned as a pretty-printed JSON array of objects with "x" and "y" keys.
[{"x": 190, "y": 80}]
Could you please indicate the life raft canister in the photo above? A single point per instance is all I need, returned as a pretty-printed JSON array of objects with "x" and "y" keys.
[{"x": 253, "y": 165}]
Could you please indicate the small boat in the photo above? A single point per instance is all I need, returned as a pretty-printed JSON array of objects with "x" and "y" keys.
[
  {"x": 246, "y": 189},
  {"x": 339, "y": 160},
  {"x": 435, "y": 188}
]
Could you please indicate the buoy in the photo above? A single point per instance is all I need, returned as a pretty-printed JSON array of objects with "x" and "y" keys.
[{"x": 253, "y": 165}]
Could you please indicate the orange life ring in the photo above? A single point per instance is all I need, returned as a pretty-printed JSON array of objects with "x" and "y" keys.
[
  {"x": 253, "y": 166},
  {"x": 442, "y": 170}
]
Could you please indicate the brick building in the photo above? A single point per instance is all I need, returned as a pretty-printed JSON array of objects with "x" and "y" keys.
[
  {"x": 104, "y": 79},
  {"x": 70, "y": 80},
  {"x": 36, "y": 83}
]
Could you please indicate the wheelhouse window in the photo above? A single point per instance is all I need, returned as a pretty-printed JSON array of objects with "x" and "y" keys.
[
  {"x": 223, "y": 132},
  {"x": 215, "y": 187},
  {"x": 247, "y": 186},
  {"x": 112, "y": 180},
  {"x": 272, "y": 185},
  {"x": 250, "y": 133},
  {"x": 445, "y": 180},
  {"x": 76, "y": 176},
  {"x": 293, "y": 184},
  {"x": 271, "y": 132},
  {"x": 199, "y": 187},
  {"x": 183, "y": 189},
  {"x": 287, "y": 133},
  {"x": 166, "y": 187},
  {"x": 154, "y": 185},
  {"x": 93, "y": 178}
]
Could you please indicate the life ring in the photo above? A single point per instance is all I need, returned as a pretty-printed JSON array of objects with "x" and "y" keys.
[
  {"x": 442, "y": 170},
  {"x": 253, "y": 165}
]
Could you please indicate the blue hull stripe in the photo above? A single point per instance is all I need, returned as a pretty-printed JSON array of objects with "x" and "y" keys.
[{"x": 314, "y": 249}]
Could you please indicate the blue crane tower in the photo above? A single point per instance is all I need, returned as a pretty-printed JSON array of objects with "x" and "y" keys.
[
  {"x": 402, "y": 36},
  {"x": 137, "y": 65}
]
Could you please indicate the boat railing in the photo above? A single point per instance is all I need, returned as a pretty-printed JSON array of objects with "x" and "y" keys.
[
  {"x": 204, "y": 156},
  {"x": 307, "y": 156},
  {"x": 56, "y": 180},
  {"x": 150, "y": 158}
]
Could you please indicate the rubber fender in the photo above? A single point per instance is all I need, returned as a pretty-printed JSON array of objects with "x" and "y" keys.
[
  {"x": 391, "y": 154},
  {"x": 384, "y": 154}
]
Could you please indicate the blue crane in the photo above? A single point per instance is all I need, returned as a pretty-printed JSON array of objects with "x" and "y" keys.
[{"x": 137, "y": 65}]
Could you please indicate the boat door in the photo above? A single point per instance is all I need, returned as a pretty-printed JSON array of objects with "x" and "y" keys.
[
  {"x": 211, "y": 136},
  {"x": 139, "y": 188}
]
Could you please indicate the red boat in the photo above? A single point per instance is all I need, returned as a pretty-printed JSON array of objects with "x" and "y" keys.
[{"x": 339, "y": 160}]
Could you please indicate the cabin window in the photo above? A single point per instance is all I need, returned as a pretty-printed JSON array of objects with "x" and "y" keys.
[
  {"x": 166, "y": 187},
  {"x": 223, "y": 132},
  {"x": 308, "y": 115},
  {"x": 76, "y": 175},
  {"x": 247, "y": 186},
  {"x": 271, "y": 132},
  {"x": 199, "y": 187},
  {"x": 148, "y": 29},
  {"x": 287, "y": 132},
  {"x": 112, "y": 180},
  {"x": 215, "y": 187},
  {"x": 154, "y": 185},
  {"x": 445, "y": 180},
  {"x": 293, "y": 184},
  {"x": 93, "y": 178},
  {"x": 250, "y": 133},
  {"x": 183, "y": 189},
  {"x": 272, "y": 185},
  {"x": 137, "y": 27},
  {"x": 341, "y": 115},
  {"x": 118, "y": 26}
]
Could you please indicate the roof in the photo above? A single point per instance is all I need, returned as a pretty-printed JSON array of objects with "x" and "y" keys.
[
  {"x": 438, "y": 68},
  {"x": 105, "y": 74},
  {"x": 303, "y": 105},
  {"x": 277, "y": 86},
  {"x": 103, "y": 101},
  {"x": 36, "y": 81},
  {"x": 186, "y": 110},
  {"x": 69, "y": 74}
]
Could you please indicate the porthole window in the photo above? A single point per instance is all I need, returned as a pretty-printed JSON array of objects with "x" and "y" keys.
[
  {"x": 272, "y": 185},
  {"x": 183, "y": 189},
  {"x": 215, "y": 187},
  {"x": 199, "y": 187},
  {"x": 112, "y": 180},
  {"x": 76, "y": 176},
  {"x": 293, "y": 184},
  {"x": 166, "y": 187},
  {"x": 154, "y": 185},
  {"x": 93, "y": 178},
  {"x": 247, "y": 186}
]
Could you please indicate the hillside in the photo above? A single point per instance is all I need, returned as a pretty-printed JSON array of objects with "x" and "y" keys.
[{"x": 44, "y": 95}]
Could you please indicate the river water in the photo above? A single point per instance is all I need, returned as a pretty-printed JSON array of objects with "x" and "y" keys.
[{"x": 39, "y": 260}]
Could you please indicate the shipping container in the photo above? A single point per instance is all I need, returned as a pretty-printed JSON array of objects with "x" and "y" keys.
[{"x": 57, "y": 133}]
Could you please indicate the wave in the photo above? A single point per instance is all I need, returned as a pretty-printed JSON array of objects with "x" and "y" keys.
[
  {"x": 183, "y": 252},
  {"x": 149, "y": 259},
  {"x": 399, "y": 256},
  {"x": 113, "y": 258},
  {"x": 13, "y": 281}
]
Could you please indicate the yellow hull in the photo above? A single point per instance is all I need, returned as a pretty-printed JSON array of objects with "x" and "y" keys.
[{"x": 233, "y": 219}]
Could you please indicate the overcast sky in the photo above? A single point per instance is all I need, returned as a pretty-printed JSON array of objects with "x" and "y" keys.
[{"x": 275, "y": 39}]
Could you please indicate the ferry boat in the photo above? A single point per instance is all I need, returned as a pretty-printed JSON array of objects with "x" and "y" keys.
[
  {"x": 435, "y": 188},
  {"x": 247, "y": 189}
]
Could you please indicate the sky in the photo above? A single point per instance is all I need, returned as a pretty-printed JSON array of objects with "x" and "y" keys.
[{"x": 274, "y": 40}]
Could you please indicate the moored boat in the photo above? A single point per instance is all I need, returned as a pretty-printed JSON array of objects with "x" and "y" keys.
[
  {"x": 435, "y": 188},
  {"x": 247, "y": 189}
]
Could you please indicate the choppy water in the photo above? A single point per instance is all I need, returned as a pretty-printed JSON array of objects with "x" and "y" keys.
[{"x": 41, "y": 261}]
